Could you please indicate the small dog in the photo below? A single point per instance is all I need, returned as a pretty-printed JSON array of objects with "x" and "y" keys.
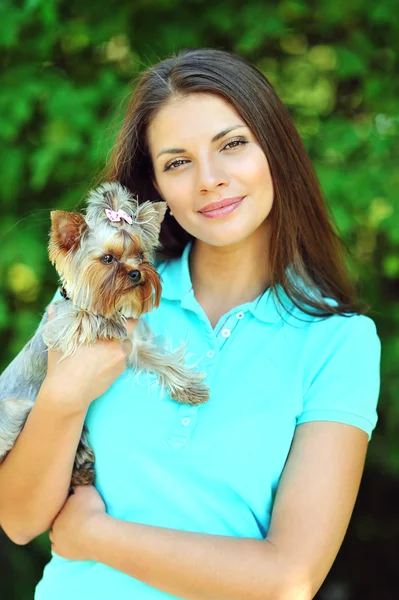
[{"x": 104, "y": 260}]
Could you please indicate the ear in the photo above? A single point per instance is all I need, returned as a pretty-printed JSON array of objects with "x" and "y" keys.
[
  {"x": 149, "y": 216},
  {"x": 66, "y": 229}
]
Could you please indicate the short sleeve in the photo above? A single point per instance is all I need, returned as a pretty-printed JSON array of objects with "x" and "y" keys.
[{"x": 342, "y": 383}]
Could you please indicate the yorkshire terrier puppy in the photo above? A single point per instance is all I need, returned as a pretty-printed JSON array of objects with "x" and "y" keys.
[{"x": 104, "y": 261}]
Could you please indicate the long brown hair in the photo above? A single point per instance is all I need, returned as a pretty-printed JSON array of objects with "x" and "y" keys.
[{"x": 303, "y": 237}]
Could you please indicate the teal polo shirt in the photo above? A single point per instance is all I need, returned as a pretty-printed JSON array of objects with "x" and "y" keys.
[{"x": 215, "y": 468}]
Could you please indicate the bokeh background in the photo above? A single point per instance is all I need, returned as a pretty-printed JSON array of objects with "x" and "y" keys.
[{"x": 68, "y": 69}]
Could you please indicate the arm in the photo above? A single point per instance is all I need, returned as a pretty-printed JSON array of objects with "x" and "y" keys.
[
  {"x": 35, "y": 476},
  {"x": 190, "y": 565},
  {"x": 313, "y": 505},
  {"x": 316, "y": 497}
]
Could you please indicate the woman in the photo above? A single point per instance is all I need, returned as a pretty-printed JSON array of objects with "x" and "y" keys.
[{"x": 249, "y": 495}]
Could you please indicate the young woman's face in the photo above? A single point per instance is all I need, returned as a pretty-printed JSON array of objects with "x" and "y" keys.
[{"x": 203, "y": 152}]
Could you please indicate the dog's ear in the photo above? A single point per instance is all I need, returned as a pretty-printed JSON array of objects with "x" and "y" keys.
[
  {"x": 149, "y": 216},
  {"x": 66, "y": 230}
]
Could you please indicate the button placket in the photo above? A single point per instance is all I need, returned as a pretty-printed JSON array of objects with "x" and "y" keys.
[
  {"x": 228, "y": 327},
  {"x": 183, "y": 426}
]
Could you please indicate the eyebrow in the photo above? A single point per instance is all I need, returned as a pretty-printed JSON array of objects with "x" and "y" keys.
[{"x": 215, "y": 138}]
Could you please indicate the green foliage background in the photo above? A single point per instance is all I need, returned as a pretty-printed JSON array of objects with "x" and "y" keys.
[{"x": 67, "y": 71}]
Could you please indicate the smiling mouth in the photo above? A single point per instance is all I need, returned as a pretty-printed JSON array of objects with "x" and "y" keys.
[
  {"x": 223, "y": 211},
  {"x": 222, "y": 204}
]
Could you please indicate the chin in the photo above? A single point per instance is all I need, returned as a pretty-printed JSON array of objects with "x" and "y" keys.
[{"x": 225, "y": 236}]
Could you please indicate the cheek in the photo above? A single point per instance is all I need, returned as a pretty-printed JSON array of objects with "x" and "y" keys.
[
  {"x": 261, "y": 188},
  {"x": 177, "y": 191},
  {"x": 255, "y": 169}
]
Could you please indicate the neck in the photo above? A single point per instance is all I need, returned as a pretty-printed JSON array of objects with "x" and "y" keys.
[{"x": 227, "y": 276}]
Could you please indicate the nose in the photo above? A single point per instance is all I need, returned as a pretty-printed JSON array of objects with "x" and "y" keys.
[
  {"x": 210, "y": 176},
  {"x": 134, "y": 275}
]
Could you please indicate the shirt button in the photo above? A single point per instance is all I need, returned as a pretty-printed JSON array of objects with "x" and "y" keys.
[
  {"x": 226, "y": 333},
  {"x": 185, "y": 421},
  {"x": 239, "y": 315},
  {"x": 210, "y": 354}
]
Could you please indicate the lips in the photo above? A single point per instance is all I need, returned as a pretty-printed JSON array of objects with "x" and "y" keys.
[{"x": 220, "y": 204}]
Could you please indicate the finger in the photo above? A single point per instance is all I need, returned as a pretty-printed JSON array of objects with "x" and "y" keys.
[
  {"x": 50, "y": 312},
  {"x": 127, "y": 346},
  {"x": 84, "y": 489},
  {"x": 79, "y": 489},
  {"x": 131, "y": 325}
]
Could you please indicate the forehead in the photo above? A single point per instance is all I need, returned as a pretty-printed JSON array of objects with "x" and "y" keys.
[
  {"x": 120, "y": 243},
  {"x": 184, "y": 120}
]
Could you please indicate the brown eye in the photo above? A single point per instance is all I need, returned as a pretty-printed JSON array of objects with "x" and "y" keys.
[{"x": 107, "y": 259}]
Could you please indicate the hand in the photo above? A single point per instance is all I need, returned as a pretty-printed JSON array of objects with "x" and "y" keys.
[
  {"x": 90, "y": 371},
  {"x": 81, "y": 515}
]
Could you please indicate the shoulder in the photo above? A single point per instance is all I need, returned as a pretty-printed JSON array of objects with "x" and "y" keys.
[
  {"x": 351, "y": 339},
  {"x": 349, "y": 328},
  {"x": 335, "y": 328}
]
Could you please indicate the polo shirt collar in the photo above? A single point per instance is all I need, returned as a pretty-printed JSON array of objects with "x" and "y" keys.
[{"x": 176, "y": 285}]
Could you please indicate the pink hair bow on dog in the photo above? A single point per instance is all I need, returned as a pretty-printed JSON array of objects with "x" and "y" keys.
[{"x": 117, "y": 216}]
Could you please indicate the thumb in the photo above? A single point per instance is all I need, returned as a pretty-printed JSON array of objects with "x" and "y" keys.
[
  {"x": 131, "y": 325},
  {"x": 50, "y": 312},
  {"x": 127, "y": 346}
]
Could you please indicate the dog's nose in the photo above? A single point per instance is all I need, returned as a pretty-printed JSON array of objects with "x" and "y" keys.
[{"x": 135, "y": 275}]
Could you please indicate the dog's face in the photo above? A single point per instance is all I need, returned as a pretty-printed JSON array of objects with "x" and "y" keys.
[{"x": 105, "y": 265}]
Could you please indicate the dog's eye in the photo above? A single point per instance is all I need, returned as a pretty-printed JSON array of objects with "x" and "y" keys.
[{"x": 107, "y": 259}]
